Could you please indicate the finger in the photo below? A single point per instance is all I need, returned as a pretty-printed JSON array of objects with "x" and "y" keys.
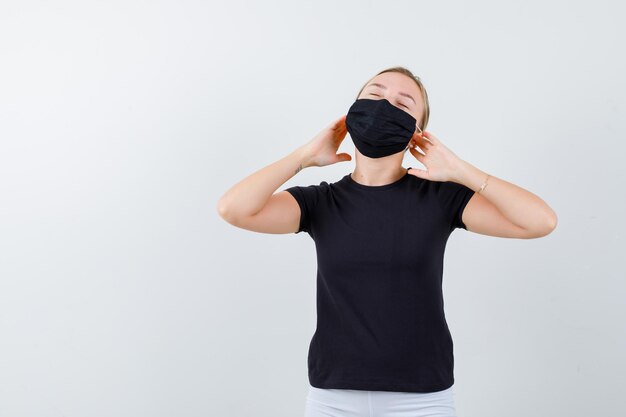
[
  {"x": 340, "y": 123},
  {"x": 420, "y": 141},
  {"x": 432, "y": 138},
  {"x": 415, "y": 139},
  {"x": 425, "y": 142},
  {"x": 421, "y": 135},
  {"x": 419, "y": 173},
  {"x": 419, "y": 156},
  {"x": 418, "y": 150},
  {"x": 344, "y": 157},
  {"x": 424, "y": 138}
]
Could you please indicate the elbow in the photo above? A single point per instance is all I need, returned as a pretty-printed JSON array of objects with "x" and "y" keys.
[
  {"x": 542, "y": 227},
  {"x": 230, "y": 214},
  {"x": 223, "y": 211},
  {"x": 220, "y": 207},
  {"x": 552, "y": 222},
  {"x": 549, "y": 225}
]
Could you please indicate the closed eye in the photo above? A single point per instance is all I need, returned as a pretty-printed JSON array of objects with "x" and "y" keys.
[{"x": 377, "y": 95}]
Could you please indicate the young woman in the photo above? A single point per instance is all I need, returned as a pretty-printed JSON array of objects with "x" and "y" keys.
[{"x": 382, "y": 346}]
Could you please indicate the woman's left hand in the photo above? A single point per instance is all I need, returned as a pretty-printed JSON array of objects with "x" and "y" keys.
[{"x": 441, "y": 163}]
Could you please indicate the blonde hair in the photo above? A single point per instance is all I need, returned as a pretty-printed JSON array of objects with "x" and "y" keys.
[{"x": 405, "y": 71}]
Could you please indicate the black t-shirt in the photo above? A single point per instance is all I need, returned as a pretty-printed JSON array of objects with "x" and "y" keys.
[{"x": 380, "y": 312}]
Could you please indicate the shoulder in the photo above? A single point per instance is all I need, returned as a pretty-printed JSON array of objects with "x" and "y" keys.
[
  {"x": 310, "y": 194},
  {"x": 323, "y": 187},
  {"x": 446, "y": 188},
  {"x": 311, "y": 199}
]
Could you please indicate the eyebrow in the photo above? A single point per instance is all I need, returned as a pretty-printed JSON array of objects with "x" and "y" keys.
[{"x": 400, "y": 93}]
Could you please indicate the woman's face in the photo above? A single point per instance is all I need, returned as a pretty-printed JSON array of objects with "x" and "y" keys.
[{"x": 400, "y": 90}]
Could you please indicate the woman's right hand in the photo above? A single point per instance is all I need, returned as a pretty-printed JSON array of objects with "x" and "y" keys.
[{"x": 322, "y": 149}]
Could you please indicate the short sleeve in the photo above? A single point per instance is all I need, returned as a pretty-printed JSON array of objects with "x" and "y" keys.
[
  {"x": 308, "y": 198},
  {"x": 453, "y": 198}
]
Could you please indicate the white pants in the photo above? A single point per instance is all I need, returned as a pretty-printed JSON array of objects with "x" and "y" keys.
[{"x": 322, "y": 402}]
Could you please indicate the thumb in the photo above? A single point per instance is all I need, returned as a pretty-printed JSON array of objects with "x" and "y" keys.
[
  {"x": 344, "y": 157},
  {"x": 419, "y": 173}
]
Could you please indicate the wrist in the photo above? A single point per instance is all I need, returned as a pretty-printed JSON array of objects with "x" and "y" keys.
[
  {"x": 302, "y": 158},
  {"x": 470, "y": 176},
  {"x": 460, "y": 172}
]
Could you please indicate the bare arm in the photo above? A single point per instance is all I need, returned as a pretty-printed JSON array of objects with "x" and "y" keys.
[
  {"x": 504, "y": 209},
  {"x": 251, "y": 203},
  {"x": 249, "y": 196}
]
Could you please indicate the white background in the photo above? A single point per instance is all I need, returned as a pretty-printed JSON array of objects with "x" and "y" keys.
[{"x": 122, "y": 291}]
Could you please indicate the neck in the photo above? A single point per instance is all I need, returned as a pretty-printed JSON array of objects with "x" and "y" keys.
[{"x": 378, "y": 171}]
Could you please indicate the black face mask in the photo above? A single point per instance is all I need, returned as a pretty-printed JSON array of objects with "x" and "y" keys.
[{"x": 378, "y": 128}]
